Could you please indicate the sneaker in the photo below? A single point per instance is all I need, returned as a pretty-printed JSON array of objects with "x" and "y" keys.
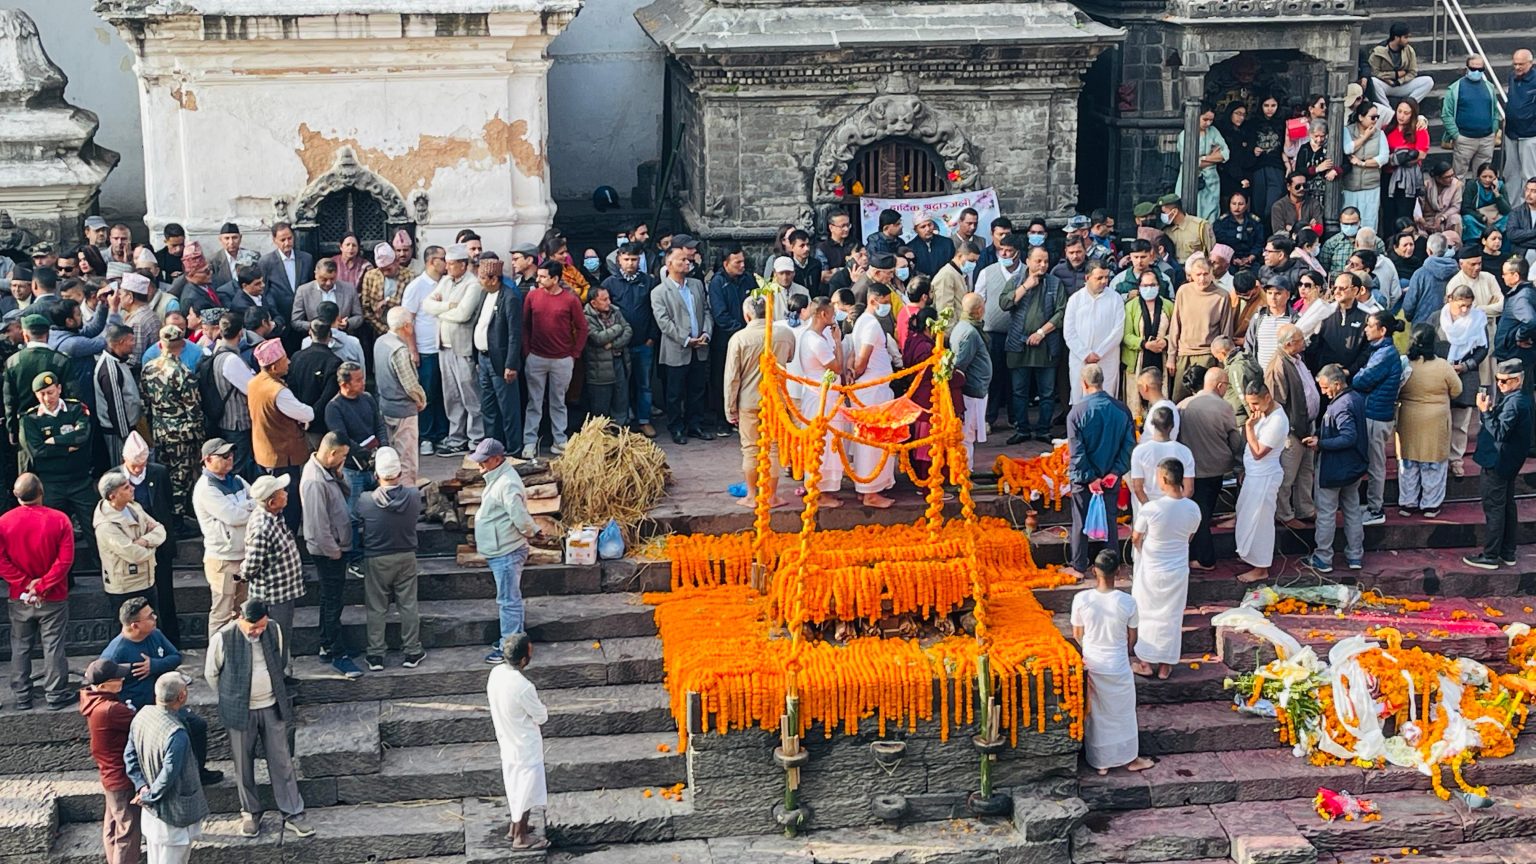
[
  {"x": 1507, "y": 562},
  {"x": 425, "y": 449},
  {"x": 1319, "y": 563},
  {"x": 1354, "y": 563},
  {"x": 1481, "y": 562},
  {"x": 298, "y": 826},
  {"x": 452, "y": 449},
  {"x": 355, "y": 570},
  {"x": 347, "y": 668},
  {"x": 250, "y": 824},
  {"x": 209, "y": 777},
  {"x": 411, "y": 661},
  {"x": 558, "y": 448},
  {"x": 1405, "y": 511},
  {"x": 495, "y": 657},
  {"x": 724, "y": 431},
  {"x": 375, "y": 663},
  {"x": 23, "y": 704},
  {"x": 1431, "y": 513},
  {"x": 1374, "y": 517},
  {"x": 530, "y": 453},
  {"x": 326, "y": 657}
]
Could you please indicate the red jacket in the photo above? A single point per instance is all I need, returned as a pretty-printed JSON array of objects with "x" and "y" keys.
[
  {"x": 108, "y": 719},
  {"x": 37, "y": 542}
]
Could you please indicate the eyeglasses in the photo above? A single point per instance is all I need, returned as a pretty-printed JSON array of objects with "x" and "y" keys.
[{"x": 1298, "y": 185}]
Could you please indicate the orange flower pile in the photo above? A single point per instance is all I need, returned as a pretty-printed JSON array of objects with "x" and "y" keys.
[
  {"x": 1373, "y": 598},
  {"x": 886, "y": 423},
  {"x": 1044, "y": 475},
  {"x": 721, "y": 643}
]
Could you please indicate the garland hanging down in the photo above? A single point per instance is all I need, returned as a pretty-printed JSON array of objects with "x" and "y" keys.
[{"x": 1372, "y": 705}]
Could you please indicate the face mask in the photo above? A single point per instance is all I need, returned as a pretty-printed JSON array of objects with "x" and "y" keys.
[
  {"x": 1037, "y": 239},
  {"x": 1350, "y": 230},
  {"x": 1007, "y": 262},
  {"x": 1474, "y": 75},
  {"x": 1448, "y": 253},
  {"x": 903, "y": 272},
  {"x": 883, "y": 311},
  {"x": 1165, "y": 218},
  {"x": 590, "y": 263},
  {"x": 621, "y": 241},
  {"x": 1148, "y": 292},
  {"x": 842, "y": 315},
  {"x": 968, "y": 267}
]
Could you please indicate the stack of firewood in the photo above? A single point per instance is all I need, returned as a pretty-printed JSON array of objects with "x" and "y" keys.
[{"x": 463, "y": 491}]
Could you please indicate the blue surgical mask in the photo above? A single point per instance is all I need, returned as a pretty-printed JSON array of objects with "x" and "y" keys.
[
  {"x": 968, "y": 267},
  {"x": 842, "y": 315},
  {"x": 1148, "y": 292},
  {"x": 903, "y": 272},
  {"x": 621, "y": 240},
  {"x": 1037, "y": 239},
  {"x": 1350, "y": 230},
  {"x": 590, "y": 263},
  {"x": 1006, "y": 261},
  {"x": 1165, "y": 218},
  {"x": 883, "y": 310},
  {"x": 1474, "y": 75}
]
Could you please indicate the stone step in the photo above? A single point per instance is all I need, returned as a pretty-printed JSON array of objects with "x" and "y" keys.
[
  {"x": 607, "y": 710},
  {"x": 342, "y": 834},
  {"x": 1199, "y": 637},
  {"x": 1201, "y": 727},
  {"x": 1503, "y": 852},
  {"x": 1137, "y": 836},
  {"x": 432, "y": 539},
  {"x": 448, "y": 623},
  {"x": 606, "y": 816},
  {"x": 462, "y": 670},
  {"x": 571, "y": 765}
]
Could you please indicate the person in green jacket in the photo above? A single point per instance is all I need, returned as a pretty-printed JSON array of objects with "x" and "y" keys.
[
  {"x": 1470, "y": 114},
  {"x": 56, "y": 446},
  {"x": 1147, "y": 316},
  {"x": 22, "y": 369},
  {"x": 1241, "y": 368}
]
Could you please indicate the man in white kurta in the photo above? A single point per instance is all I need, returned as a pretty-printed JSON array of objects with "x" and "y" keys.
[
  {"x": 869, "y": 359},
  {"x": 1103, "y": 619},
  {"x": 517, "y": 713},
  {"x": 820, "y": 351},
  {"x": 1093, "y": 327},
  {"x": 1264, "y": 434},
  {"x": 1160, "y": 584},
  {"x": 1150, "y": 451}
]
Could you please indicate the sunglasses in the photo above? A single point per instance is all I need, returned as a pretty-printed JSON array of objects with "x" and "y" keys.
[{"x": 1298, "y": 185}]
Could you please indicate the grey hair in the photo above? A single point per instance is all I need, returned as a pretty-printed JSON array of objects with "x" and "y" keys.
[
  {"x": 1224, "y": 344},
  {"x": 169, "y": 689},
  {"x": 1333, "y": 373},
  {"x": 1436, "y": 244},
  {"x": 755, "y": 307},
  {"x": 1461, "y": 292},
  {"x": 397, "y": 317},
  {"x": 111, "y": 482},
  {"x": 1317, "y": 126},
  {"x": 1092, "y": 375}
]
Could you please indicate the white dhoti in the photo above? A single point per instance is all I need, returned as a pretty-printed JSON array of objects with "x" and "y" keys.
[
  {"x": 1160, "y": 579},
  {"x": 831, "y": 466},
  {"x": 974, "y": 427},
  {"x": 1255, "y": 526},
  {"x": 166, "y": 843},
  {"x": 1110, "y": 736},
  {"x": 516, "y": 714},
  {"x": 865, "y": 459},
  {"x": 525, "y": 787}
]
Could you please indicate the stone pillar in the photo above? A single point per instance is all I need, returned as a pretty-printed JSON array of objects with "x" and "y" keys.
[
  {"x": 1189, "y": 159},
  {"x": 50, "y": 166},
  {"x": 533, "y": 208},
  {"x": 1338, "y": 128}
]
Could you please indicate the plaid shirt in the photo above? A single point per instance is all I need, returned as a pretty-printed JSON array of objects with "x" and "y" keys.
[{"x": 271, "y": 566}]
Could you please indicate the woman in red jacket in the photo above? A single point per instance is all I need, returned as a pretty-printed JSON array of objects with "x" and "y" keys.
[{"x": 1408, "y": 143}]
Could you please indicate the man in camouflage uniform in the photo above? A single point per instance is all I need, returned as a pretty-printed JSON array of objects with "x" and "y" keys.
[
  {"x": 56, "y": 446},
  {"x": 175, "y": 416}
]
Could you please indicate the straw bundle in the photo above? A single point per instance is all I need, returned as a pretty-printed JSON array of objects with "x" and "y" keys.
[{"x": 608, "y": 473}]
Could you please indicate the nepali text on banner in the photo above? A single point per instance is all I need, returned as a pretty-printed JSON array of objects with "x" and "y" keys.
[{"x": 945, "y": 210}]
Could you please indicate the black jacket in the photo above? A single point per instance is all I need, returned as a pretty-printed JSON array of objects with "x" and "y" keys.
[
  {"x": 506, "y": 332},
  {"x": 241, "y": 301},
  {"x": 312, "y": 378},
  {"x": 1340, "y": 340}
]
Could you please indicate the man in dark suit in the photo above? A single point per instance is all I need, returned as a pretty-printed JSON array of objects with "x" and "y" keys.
[
  {"x": 1502, "y": 442},
  {"x": 152, "y": 490},
  {"x": 253, "y": 294},
  {"x": 312, "y": 377},
  {"x": 285, "y": 268},
  {"x": 225, "y": 261},
  {"x": 326, "y": 287},
  {"x": 499, "y": 352},
  {"x": 199, "y": 286}
]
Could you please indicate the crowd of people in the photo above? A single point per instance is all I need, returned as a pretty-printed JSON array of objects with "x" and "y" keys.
[{"x": 280, "y": 405}]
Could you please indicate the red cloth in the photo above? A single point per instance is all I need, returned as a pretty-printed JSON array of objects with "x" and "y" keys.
[
  {"x": 554, "y": 325},
  {"x": 1397, "y": 141},
  {"x": 37, "y": 542},
  {"x": 108, "y": 720}
]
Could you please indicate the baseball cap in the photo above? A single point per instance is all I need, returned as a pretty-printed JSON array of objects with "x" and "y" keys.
[
  {"x": 783, "y": 264},
  {"x": 386, "y": 462},
  {"x": 217, "y": 447},
  {"x": 684, "y": 241},
  {"x": 102, "y": 669},
  {"x": 1077, "y": 223},
  {"x": 268, "y": 485},
  {"x": 488, "y": 449},
  {"x": 94, "y": 222}
]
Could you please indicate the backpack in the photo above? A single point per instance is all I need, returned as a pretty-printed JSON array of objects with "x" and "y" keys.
[{"x": 215, "y": 400}]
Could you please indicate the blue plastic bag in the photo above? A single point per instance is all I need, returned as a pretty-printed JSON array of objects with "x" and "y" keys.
[
  {"x": 1095, "y": 525},
  {"x": 610, "y": 541}
]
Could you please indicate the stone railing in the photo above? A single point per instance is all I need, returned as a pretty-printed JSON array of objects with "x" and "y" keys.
[{"x": 1258, "y": 8}]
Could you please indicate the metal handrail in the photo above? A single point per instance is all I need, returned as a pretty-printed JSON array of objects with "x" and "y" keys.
[{"x": 1452, "y": 12}]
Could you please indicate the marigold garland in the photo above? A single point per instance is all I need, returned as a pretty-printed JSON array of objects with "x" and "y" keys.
[{"x": 1043, "y": 476}]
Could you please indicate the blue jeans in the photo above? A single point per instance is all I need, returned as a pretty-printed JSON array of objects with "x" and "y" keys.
[
  {"x": 357, "y": 484},
  {"x": 1028, "y": 382},
  {"x": 434, "y": 420},
  {"x": 641, "y": 367},
  {"x": 508, "y": 572},
  {"x": 500, "y": 405}
]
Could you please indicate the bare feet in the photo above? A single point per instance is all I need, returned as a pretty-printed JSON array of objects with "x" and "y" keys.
[
  {"x": 1141, "y": 763},
  {"x": 828, "y": 502},
  {"x": 1072, "y": 572},
  {"x": 1196, "y": 565},
  {"x": 1142, "y": 669},
  {"x": 529, "y": 843},
  {"x": 779, "y": 501},
  {"x": 1257, "y": 574},
  {"x": 748, "y": 502},
  {"x": 1163, "y": 671},
  {"x": 877, "y": 501},
  {"x": 1103, "y": 771}
]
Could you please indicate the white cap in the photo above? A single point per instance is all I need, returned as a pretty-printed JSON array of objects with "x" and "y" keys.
[
  {"x": 386, "y": 463},
  {"x": 783, "y": 264},
  {"x": 458, "y": 252},
  {"x": 923, "y": 216}
]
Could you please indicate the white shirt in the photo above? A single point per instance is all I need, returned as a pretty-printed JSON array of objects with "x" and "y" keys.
[
  {"x": 290, "y": 266},
  {"x": 1094, "y": 325},
  {"x": 1148, "y": 454},
  {"x": 343, "y": 344},
  {"x": 426, "y": 322},
  {"x": 1271, "y": 432},
  {"x": 1105, "y": 617},
  {"x": 238, "y": 374},
  {"x": 291, "y": 407},
  {"x": 483, "y": 323},
  {"x": 867, "y": 333}
]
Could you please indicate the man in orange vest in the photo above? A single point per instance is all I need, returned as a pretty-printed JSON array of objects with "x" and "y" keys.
[{"x": 278, "y": 420}]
